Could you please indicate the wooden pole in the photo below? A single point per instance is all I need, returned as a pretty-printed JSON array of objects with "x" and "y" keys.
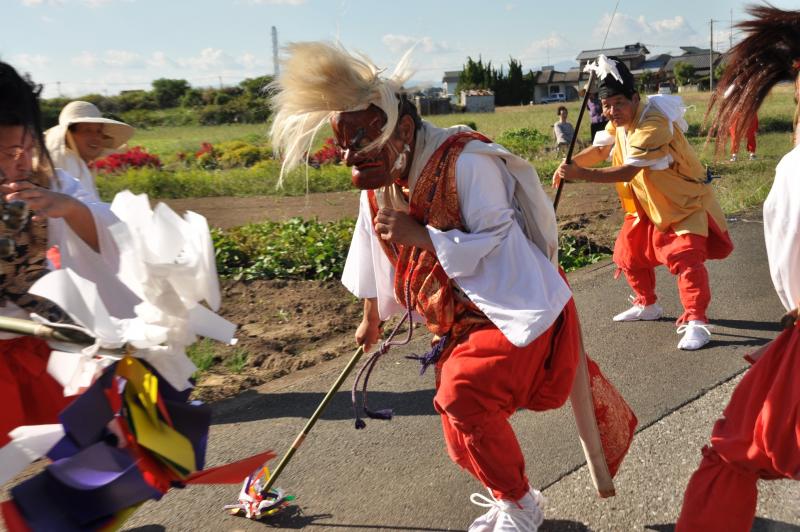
[
  {"x": 575, "y": 135},
  {"x": 298, "y": 441}
]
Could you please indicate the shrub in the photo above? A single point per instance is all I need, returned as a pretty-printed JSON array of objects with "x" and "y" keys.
[
  {"x": 136, "y": 157},
  {"x": 525, "y": 142},
  {"x": 327, "y": 154},
  {"x": 296, "y": 249}
]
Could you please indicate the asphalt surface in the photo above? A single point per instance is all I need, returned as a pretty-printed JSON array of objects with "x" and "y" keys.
[{"x": 395, "y": 475}]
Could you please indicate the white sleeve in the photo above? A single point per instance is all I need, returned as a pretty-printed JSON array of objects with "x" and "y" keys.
[
  {"x": 493, "y": 262},
  {"x": 603, "y": 138},
  {"x": 782, "y": 229},
  {"x": 367, "y": 271}
]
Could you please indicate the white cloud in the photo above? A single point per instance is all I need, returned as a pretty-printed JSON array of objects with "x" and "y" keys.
[
  {"x": 160, "y": 60},
  {"x": 37, "y": 3},
  {"x": 86, "y": 59},
  {"x": 30, "y": 61},
  {"x": 627, "y": 29},
  {"x": 32, "y": 3},
  {"x": 400, "y": 43},
  {"x": 209, "y": 59},
  {"x": 252, "y": 62},
  {"x": 97, "y": 3},
  {"x": 122, "y": 59},
  {"x": 553, "y": 46}
]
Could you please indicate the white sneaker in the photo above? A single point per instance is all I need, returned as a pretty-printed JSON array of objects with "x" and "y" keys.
[
  {"x": 733, "y": 157},
  {"x": 524, "y": 515},
  {"x": 640, "y": 312},
  {"x": 695, "y": 335},
  {"x": 752, "y": 156}
]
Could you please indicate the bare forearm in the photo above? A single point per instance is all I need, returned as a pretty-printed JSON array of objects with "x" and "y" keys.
[
  {"x": 80, "y": 220},
  {"x": 591, "y": 156},
  {"x": 371, "y": 310},
  {"x": 614, "y": 174}
]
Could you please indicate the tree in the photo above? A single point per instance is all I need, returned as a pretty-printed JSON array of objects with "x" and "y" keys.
[
  {"x": 684, "y": 73},
  {"x": 256, "y": 87},
  {"x": 719, "y": 70},
  {"x": 168, "y": 92},
  {"x": 646, "y": 81}
]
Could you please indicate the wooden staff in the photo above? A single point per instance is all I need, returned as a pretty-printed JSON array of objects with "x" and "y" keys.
[
  {"x": 46, "y": 332},
  {"x": 575, "y": 135}
]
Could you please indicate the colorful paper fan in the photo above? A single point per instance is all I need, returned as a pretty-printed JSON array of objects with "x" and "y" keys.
[
  {"x": 254, "y": 502},
  {"x": 128, "y": 438}
]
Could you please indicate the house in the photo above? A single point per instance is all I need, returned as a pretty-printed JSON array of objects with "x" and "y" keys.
[
  {"x": 549, "y": 81},
  {"x": 477, "y": 101},
  {"x": 699, "y": 58},
  {"x": 449, "y": 84},
  {"x": 633, "y": 55}
]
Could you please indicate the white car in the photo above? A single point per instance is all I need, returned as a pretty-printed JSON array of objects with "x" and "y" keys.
[
  {"x": 555, "y": 97},
  {"x": 664, "y": 88}
]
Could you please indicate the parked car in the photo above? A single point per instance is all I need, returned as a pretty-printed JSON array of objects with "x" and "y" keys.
[
  {"x": 555, "y": 97},
  {"x": 664, "y": 88}
]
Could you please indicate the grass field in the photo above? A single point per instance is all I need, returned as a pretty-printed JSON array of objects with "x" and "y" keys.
[{"x": 743, "y": 184}]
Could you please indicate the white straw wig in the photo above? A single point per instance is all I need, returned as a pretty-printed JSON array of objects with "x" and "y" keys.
[{"x": 319, "y": 79}]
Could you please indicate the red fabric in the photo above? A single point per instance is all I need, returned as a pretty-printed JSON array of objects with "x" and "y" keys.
[
  {"x": 54, "y": 256},
  {"x": 28, "y": 394},
  {"x": 232, "y": 473},
  {"x": 485, "y": 380},
  {"x": 12, "y": 517},
  {"x": 758, "y": 437},
  {"x": 751, "y": 137},
  {"x": 640, "y": 247}
]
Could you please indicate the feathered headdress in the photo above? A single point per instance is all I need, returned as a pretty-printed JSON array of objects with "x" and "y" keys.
[
  {"x": 770, "y": 53},
  {"x": 319, "y": 79}
]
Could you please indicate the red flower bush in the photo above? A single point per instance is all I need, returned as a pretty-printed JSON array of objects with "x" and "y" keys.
[
  {"x": 205, "y": 147},
  {"x": 136, "y": 157},
  {"x": 327, "y": 154}
]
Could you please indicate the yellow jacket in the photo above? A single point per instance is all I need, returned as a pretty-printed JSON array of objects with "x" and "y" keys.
[{"x": 670, "y": 189}]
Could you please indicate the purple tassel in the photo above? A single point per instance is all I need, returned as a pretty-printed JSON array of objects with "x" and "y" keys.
[
  {"x": 386, "y": 413},
  {"x": 432, "y": 356}
]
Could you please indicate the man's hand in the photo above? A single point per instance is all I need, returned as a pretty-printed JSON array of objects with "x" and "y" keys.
[
  {"x": 368, "y": 333},
  {"x": 44, "y": 202},
  {"x": 568, "y": 172},
  {"x": 401, "y": 228}
]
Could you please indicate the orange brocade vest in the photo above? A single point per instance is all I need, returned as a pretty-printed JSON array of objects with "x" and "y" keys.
[{"x": 419, "y": 280}]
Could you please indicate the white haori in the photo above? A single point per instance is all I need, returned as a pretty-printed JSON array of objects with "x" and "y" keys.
[
  {"x": 504, "y": 261},
  {"x": 28, "y": 443},
  {"x": 782, "y": 229}
]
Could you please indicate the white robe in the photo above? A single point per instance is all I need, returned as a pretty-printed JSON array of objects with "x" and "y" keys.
[
  {"x": 782, "y": 229},
  {"x": 509, "y": 277}
]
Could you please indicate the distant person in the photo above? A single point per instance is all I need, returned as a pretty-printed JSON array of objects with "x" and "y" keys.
[
  {"x": 736, "y": 139},
  {"x": 82, "y": 136},
  {"x": 671, "y": 215},
  {"x": 563, "y": 130},
  {"x": 599, "y": 120},
  {"x": 758, "y": 435}
]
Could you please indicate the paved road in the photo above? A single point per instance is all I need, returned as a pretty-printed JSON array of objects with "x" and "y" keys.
[{"x": 396, "y": 476}]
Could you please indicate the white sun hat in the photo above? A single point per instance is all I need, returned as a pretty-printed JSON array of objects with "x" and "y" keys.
[{"x": 116, "y": 133}]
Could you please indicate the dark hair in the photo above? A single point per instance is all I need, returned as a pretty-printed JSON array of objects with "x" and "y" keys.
[
  {"x": 610, "y": 86},
  {"x": 769, "y": 53},
  {"x": 19, "y": 106},
  {"x": 407, "y": 107},
  {"x": 560, "y": 107}
]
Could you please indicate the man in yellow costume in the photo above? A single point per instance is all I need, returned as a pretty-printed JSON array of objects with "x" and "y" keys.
[{"x": 671, "y": 214}]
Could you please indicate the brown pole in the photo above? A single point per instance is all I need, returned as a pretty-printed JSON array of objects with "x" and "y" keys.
[{"x": 575, "y": 135}]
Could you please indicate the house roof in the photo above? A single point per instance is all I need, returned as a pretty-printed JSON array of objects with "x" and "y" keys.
[
  {"x": 629, "y": 50},
  {"x": 451, "y": 75},
  {"x": 698, "y": 59}
]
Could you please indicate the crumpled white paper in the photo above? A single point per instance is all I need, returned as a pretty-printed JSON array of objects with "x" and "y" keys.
[
  {"x": 27, "y": 444},
  {"x": 603, "y": 67},
  {"x": 168, "y": 262}
]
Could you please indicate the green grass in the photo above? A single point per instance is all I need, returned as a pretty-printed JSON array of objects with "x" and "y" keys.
[
  {"x": 202, "y": 353},
  {"x": 237, "y": 361},
  {"x": 743, "y": 185}
]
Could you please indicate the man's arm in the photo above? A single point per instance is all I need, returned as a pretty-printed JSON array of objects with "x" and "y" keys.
[
  {"x": 614, "y": 174},
  {"x": 592, "y": 156}
]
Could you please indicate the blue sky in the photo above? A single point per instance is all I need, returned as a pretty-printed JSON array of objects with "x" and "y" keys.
[{"x": 111, "y": 45}]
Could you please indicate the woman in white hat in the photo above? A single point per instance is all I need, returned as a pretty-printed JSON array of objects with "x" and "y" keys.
[{"x": 81, "y": 136}]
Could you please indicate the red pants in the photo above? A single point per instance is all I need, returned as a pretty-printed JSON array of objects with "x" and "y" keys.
[
  {"x": 751, "y": 137},
  {"x": 758, "y": 437},
  {"x": 640, "y": 247},
  {"x": 28, "y": 394},
  {"x": 485, "y": 380}
]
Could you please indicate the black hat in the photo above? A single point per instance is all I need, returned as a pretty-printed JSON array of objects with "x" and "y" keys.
[{"x": 610, "y": 86}]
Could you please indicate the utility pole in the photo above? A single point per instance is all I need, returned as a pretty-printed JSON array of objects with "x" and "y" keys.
[
  {"x": 60, "y": 94},
  {"x": 220, "y": 82},
  {"x": 711, "y": 58},
  {"x": 275, "y": 65}
]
